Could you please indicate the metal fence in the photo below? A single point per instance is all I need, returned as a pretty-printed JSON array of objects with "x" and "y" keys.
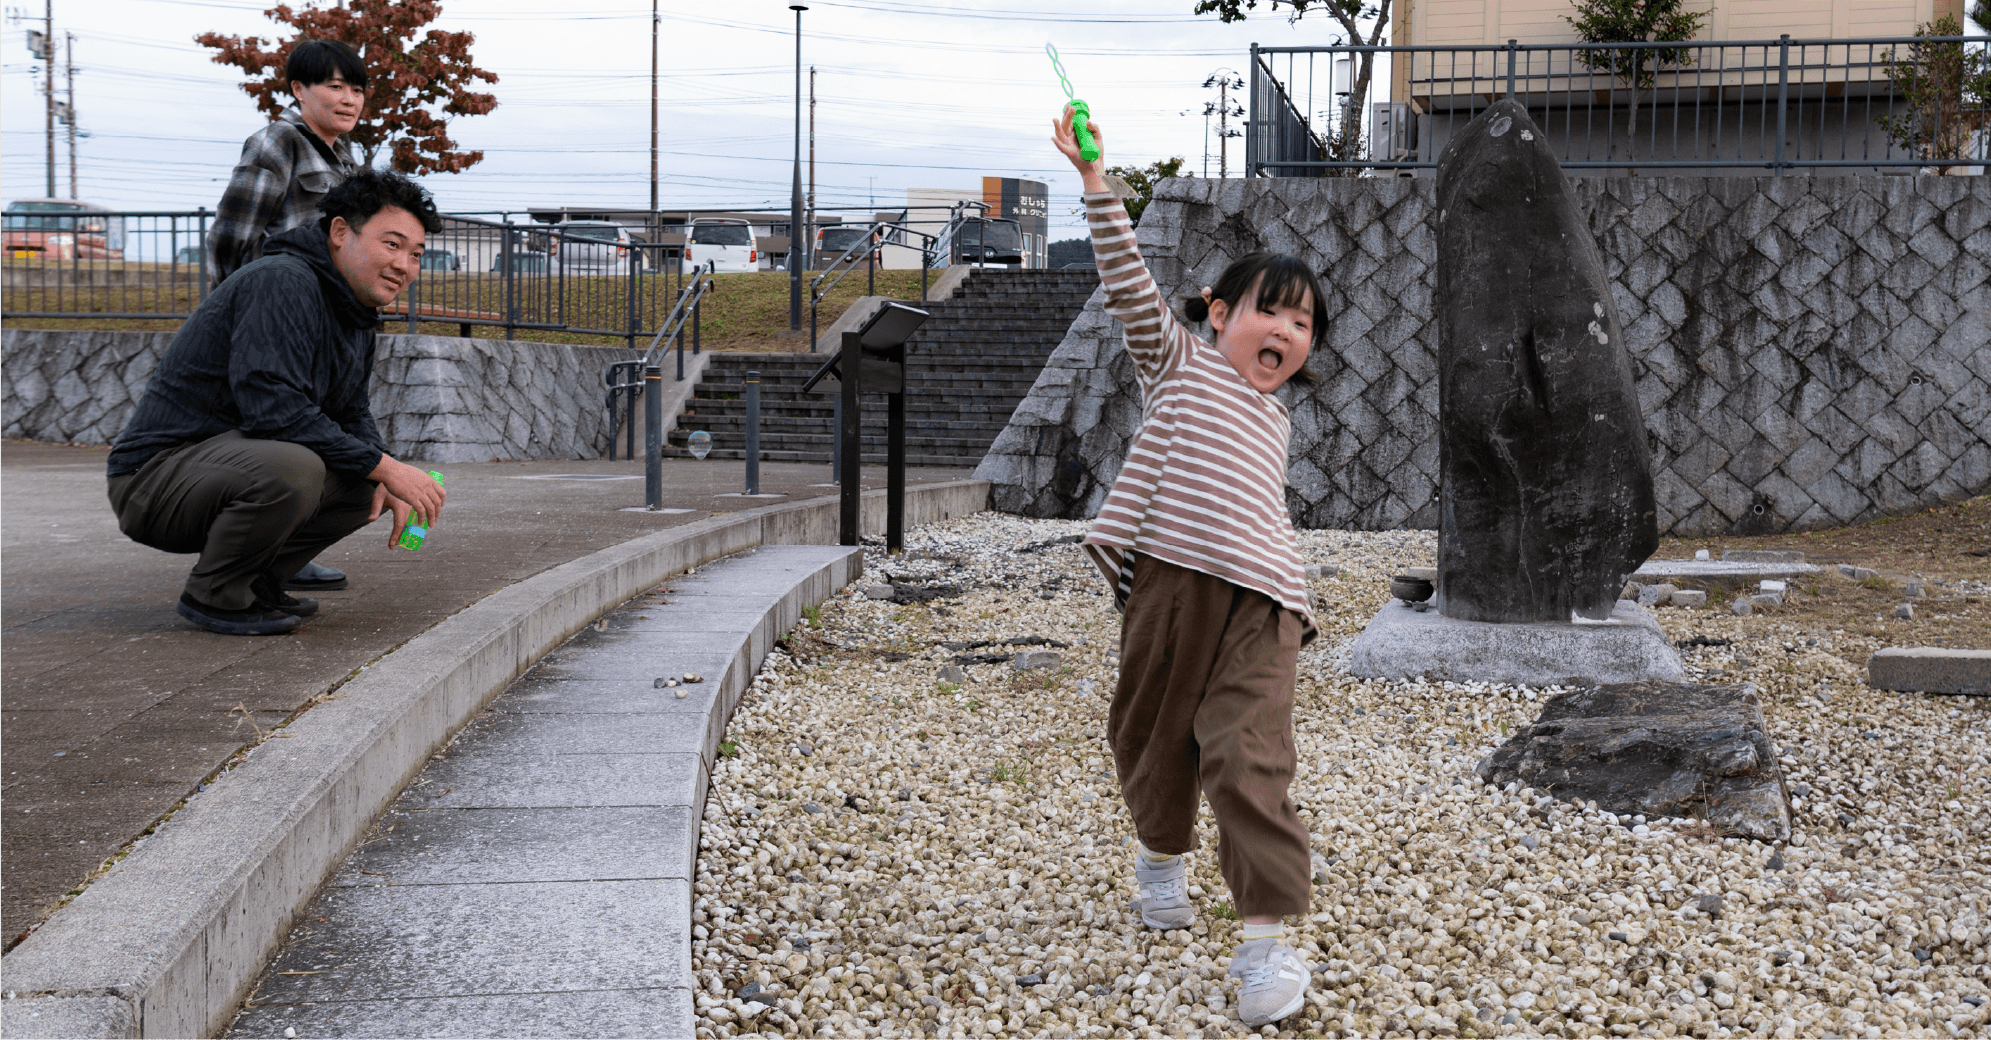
[
  {"x": 107, "y": 265},
  {"x": 1823, "y": 106},
  {"x": 476, "y": 274}
]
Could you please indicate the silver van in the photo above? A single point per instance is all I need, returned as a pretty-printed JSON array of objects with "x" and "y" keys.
[{"x": 591, "y": 247}]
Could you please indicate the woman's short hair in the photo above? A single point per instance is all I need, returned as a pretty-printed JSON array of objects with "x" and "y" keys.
[{"x": 317, "y": 61}]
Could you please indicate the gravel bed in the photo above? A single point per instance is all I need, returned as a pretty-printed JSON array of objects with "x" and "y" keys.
[{"x": 887, "y": 854}]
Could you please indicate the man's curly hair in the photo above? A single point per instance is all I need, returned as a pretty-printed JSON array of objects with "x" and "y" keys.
[{"x": 364, "y": 193}]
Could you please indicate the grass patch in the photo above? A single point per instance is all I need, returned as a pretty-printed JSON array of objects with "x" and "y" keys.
[
  {"x": 744, "y": 312},
  {"x": 1223, "y": 911}
]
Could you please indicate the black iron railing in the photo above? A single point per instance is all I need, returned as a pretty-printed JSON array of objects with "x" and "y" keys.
[{"x": 1849, "y": 105}]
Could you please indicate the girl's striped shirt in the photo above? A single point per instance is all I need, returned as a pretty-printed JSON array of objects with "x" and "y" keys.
[{"x": 1204, "y": 484}]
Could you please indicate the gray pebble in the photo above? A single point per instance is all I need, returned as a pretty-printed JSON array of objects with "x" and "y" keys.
[{"x": 1905, "y": 612}]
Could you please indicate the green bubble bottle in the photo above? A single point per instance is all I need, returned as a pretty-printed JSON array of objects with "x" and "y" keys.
[{"x": 416, "y": 532}]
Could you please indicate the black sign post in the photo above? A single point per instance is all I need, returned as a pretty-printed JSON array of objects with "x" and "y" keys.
[{"x": 872, "y": 360}]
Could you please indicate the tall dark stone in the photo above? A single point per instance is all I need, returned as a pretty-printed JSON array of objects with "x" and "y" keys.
[{"x": 1546, "y": 480}]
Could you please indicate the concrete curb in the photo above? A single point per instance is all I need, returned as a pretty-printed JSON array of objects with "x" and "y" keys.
[{"x": 178, "y": 930}]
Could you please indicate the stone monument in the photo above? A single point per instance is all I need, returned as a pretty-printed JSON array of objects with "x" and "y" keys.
[{"x": 1546, "y": 501}]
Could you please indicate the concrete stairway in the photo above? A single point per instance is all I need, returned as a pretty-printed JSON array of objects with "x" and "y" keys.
[{"x": 971, "y": 364}]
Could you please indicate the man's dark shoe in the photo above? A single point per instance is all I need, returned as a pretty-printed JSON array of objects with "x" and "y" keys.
[
  {"x": 258, "y": 620},
  {"x": 315, "y": 577},
  {"x": 269, "y": 597}
]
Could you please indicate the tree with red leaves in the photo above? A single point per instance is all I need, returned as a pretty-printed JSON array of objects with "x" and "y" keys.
[{"x": 413, "y": 88}]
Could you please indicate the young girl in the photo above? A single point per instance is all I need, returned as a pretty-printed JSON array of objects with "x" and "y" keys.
[{"x": 1197, "y": 543}]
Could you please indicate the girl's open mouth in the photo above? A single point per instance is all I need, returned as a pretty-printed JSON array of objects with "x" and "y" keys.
[{"x": 1271, "y": 358}]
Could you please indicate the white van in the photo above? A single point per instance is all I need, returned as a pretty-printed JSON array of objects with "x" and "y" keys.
[{"x": 720, "y": 244}]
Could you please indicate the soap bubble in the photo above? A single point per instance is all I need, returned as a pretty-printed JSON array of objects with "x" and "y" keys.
[{"x": 699, "y": 444}]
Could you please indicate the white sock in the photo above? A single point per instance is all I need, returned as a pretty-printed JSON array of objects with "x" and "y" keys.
[
  {"x": 1275, "y": 930},
  {"x": 1151, "y": 858}
]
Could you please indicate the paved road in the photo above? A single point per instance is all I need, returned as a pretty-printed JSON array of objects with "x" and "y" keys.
[{"x": 113, "y": 707}]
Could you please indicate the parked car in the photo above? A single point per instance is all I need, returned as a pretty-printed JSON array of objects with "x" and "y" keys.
[
  {"x": 523, "y": 263},
  {"x": 834, "y": 241},
  {"x": 986, "y": 241},
  {"x": 721, "y": 245},
  {"x": 190, "y": 255},
  {"x": 61, "y": 229},
  {"x": 440, "y": 260},
  {"x": 591, "y": 247}
]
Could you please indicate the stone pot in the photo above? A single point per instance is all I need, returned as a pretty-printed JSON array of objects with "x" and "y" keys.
[{"x": 1411, "y": 590}]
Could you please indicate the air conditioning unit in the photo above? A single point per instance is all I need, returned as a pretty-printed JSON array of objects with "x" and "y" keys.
[{"x": 1392, "y": 131}]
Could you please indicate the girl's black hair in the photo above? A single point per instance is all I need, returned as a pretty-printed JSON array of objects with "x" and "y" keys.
[
  {"x": 316, "y": 61},
  {"x": 1287, "y": 282}
]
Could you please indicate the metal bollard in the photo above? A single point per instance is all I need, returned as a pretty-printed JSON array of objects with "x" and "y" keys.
[
  {"x": 753, "y": 431},
  {"x": 653, "y": 436}
]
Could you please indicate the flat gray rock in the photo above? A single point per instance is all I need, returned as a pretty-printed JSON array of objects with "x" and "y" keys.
[
  {"x": 1400, "y": 643},
  {"x": 1931, "y": 669},
  {"x": 1656, "y": 748}
]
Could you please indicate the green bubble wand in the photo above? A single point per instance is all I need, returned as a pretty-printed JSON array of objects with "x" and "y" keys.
[{"x": 1088, "y": 149}]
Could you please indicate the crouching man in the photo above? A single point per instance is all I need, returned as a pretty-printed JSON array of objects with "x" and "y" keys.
[{"x": 253, "y": 444}]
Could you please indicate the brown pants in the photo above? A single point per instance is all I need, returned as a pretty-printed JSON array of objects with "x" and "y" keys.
[
  {"x": 250, "y": 507},
  {"x": 1205, "y": 701}
]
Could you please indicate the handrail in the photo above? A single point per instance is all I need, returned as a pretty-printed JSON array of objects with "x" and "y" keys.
[
  {"x": 872, "y": 242},
  {"x": 688, "y": 298}
]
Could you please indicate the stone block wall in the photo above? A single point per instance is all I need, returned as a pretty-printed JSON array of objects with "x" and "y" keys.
[
  {"x": 435, "y": 398},
  {"x": 1808, "y": 351}
]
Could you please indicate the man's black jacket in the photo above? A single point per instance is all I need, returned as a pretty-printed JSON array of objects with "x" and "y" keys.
[{"x": 282, "y": 350}]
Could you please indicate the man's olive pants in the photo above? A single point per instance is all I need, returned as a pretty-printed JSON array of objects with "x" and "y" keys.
[{"x": 251, "y": 508}]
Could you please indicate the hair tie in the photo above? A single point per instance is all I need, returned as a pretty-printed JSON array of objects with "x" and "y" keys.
[{"x": 1206, "y": 292}]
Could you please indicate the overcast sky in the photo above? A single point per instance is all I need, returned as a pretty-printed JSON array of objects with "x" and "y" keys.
[{"x": 909, "y": 95}]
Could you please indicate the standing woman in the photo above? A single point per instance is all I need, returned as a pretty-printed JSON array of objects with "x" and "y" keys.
[{"x": 286, "y": 170}]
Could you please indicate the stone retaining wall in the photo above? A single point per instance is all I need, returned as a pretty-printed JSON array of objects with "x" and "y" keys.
[
  {"x": 435, "y": 398},
  {"x": 1807, "y": 351}
]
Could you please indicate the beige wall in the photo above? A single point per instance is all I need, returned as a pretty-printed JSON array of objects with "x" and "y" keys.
[{"x": 1463, "y": 22}]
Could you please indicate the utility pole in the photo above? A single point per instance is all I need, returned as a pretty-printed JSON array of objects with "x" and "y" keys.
[
  {"x": 654, "y": 22},
  {"x": 1223, "y": 128},
  {"x": 795, "y": 195},
  {"x": 812, "y": 153},
  {"x": 48, "y": 85},
  {"x": 70, "y": 40}
]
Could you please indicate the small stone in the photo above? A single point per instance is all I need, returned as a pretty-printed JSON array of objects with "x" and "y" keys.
[
  {"x": 1618, "y": 937},
  {"x": 1709, "y": 904},
  {"x": 1772, "y": 587},
  {"x": 1857, "y": 573},
  {"x": 1689, "y": 598},
  {"x": 1742, "y": 607},
  {"x": 1905, "y": 612},
  {"x": 813, "y": 809},
  {"x": 1913, "y": 590},
  {"x": 807, "y": 749},
  {"x": 1035, "y": 659},
  {"x": 748, "y": 991},
  {"x": 1700, "y": 554},
  {"x": 880, "y": 592},
  {"x": 1631, "y": 591},
  {"x": 1653, "y": 595},
  {"x": 1767, "y": 599},
  {"x": 681, "y": 692},
  {"x": 1776, "y": 862},
  {"x": 1531, "y": 842},
  {"x": 1973, "y": 1000},
  {"x": 952, "y": 673},
  {"x": 1032, "y": 979}
]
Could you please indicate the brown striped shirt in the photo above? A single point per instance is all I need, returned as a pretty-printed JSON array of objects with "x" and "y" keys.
[{"x": 1204, "y": 484}]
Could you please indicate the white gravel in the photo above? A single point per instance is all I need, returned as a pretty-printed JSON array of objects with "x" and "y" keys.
[{"x": 887, "y": 855}]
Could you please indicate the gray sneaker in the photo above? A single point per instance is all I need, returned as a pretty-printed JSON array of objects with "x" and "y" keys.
[
  {"x": 1275, "y": 981},
  {"x": 1164, "y": 893}
]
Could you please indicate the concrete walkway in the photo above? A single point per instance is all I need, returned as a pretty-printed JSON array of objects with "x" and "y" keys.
[
  {"x": 113, "y": 708},
  {"x": 535, "y": 879}
]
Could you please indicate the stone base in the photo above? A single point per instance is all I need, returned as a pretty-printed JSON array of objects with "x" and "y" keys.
[{"x": 1401, "y": 643}]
